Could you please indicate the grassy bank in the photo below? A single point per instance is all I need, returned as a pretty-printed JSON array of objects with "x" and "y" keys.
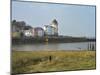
[{"x": 47, "y": 61}]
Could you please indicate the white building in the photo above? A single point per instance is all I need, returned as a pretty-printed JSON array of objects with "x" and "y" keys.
[
  {"x": 54, "y": 24},
  {"x": 28, "y": 33},
  {"x": 51, "y": 29}
]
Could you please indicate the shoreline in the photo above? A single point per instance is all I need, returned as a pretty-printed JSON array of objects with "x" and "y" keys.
[
  {"x": 51, "y": 50},
  {"x": 48, "y": 61},
  {"x": 30, "y": 40}
]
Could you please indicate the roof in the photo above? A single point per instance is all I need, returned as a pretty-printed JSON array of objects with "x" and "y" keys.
[
  {"x": 27, "y": 27},
  {"x": 55, "y": 22},
  {"x": 48, "y": 26},
  {"x": 38, "y": 28}
]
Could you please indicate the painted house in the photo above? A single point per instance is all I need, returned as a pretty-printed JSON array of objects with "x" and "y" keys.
[
  {"x": 49, "y": 30},
  {"x": 34, "y": 32},
  {"x": 54, "y": 24},
  {"x": 52, "y": 29},
  {"x": 15, "y": 28},
  {"x": 28, "y": 33},
  {"x": 38, "y": 32}
]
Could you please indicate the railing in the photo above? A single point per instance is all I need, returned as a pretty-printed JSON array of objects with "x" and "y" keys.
[{"x": 91, "y": 46}]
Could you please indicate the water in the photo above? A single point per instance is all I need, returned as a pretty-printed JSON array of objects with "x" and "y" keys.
[{"x": 53, "y": 46}]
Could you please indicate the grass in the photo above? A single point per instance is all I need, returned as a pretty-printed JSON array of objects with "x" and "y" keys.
[{"x": 47, "y": 61}]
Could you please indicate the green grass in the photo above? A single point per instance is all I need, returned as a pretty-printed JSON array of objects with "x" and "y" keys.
[{"x": 39, "y": 61}]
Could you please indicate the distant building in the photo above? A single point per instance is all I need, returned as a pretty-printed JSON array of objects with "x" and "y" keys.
[
  {"x": 39, "y": 32},
  {"x": 34, "y": 32},
  {"x": 54, "y": 24},
  {"x": 28, "y": 33},
  {"x": 15, "y": 28},
  {"x": 18, "y": 26},
  {"x": 49, "y": 30},
  {"x": 27, "y": 28},
  {"x": 52, "y": 29}
]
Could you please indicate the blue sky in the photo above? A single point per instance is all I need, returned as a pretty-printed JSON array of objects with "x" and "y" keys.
[{"x": 73, "y": 20}]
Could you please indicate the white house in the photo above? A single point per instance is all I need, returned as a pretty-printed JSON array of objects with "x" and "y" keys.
[
  {"x": 29, "y": 33},
  {"x": 51, "y": 29}
]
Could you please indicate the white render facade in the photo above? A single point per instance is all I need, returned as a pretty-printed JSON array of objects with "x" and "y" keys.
[
  {"x": 51, "y": 29},
  {"x": 29, "y": 33}
]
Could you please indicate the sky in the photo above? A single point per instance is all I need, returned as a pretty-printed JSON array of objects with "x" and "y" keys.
[{"x": 73, "y": 20}]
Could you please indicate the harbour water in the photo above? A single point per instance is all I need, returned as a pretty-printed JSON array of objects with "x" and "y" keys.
[{"x": 55, "y": 46}]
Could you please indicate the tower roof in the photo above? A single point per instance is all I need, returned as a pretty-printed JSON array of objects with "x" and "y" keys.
[{"x": 55, "y": 22}]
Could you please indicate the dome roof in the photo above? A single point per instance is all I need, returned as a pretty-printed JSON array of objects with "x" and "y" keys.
[{"x": 55, "y": 22}]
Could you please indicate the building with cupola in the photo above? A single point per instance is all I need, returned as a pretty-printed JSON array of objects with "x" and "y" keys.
[{"x": 51, "y": 29}]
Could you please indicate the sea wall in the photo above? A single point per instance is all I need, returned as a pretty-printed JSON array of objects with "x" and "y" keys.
[{"x": 49, "y": 40}]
